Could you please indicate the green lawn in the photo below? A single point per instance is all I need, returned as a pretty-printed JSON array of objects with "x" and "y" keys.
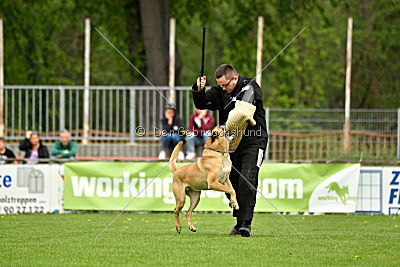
[{"x": 138, "y": 239}]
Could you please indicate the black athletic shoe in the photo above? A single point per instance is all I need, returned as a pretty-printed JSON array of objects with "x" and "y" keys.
[
  {"x": 245, "y": 230},
  {"x": 235, "y": 229}
]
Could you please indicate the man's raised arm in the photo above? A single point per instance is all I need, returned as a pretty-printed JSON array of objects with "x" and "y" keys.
[{"x": 204, "y": 99}]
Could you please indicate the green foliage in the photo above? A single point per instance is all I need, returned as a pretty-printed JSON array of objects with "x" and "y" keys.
[
  {"x": 44, "y": 41},
  {"x": 311, "y": 71},
  {"x": 44, "y": 45}
]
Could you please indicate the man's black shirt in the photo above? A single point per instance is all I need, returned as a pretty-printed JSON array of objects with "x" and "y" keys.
[{"x": 217, "y": 99}]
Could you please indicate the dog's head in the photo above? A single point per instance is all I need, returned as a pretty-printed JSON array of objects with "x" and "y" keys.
[{"x": 217, "y": 140}]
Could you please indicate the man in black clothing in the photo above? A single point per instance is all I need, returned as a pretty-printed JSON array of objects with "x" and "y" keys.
[
  {"x": 238, "y": 94},
  {"x": 5, "y": 153}
]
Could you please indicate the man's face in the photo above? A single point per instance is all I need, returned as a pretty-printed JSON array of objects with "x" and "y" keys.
[
  {"x": 64, "y": 137},
  {"x": 34, "y": 139},
  {"x": 227, "y": 84}
]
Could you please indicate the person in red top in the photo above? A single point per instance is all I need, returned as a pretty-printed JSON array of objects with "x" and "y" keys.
[{"x": 200, "y": 125}]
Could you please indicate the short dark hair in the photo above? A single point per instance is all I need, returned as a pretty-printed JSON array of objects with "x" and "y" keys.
[
  {"x": 2, "y": 139},
  {"x": 34, "y": 133},
  {"x": 225, "y": 70}
]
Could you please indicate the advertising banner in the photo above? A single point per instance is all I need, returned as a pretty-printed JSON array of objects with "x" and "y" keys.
[
  {"x": 29, "y": 188},
  {"x": 391, "y": 191},
  {"x": 289, "y": 187}
]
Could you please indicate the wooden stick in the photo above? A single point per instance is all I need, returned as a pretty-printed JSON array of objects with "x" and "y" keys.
[
  {"x": 259, "y": 49},
  {"x": 172, "y": 27}
]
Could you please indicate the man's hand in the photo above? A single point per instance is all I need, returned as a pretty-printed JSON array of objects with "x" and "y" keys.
[
  {"x": 170, "y": 119},
  {"x": 201, "y": 84},
  {"x": 202, "y": 114}
]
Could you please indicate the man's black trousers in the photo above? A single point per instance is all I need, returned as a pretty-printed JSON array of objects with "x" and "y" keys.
[{"x": 245, "y": 160}]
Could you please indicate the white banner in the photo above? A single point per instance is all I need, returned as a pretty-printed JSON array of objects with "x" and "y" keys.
[
  {"x": 30, "y": 188},
  {"x": 338, "y": 193},
  {"x": 391, "y": 191}
]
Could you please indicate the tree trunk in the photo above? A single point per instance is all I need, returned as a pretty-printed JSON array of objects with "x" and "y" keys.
[
  {"x": 372, "y": 97},
  {"x": 154, "y": 17},
  {"x": 135, "y": 32}
]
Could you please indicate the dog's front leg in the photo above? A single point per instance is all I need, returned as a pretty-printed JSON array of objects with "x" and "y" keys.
[
  {"x": 215, "y": 185},
  {"x": 233, "y": 201}
]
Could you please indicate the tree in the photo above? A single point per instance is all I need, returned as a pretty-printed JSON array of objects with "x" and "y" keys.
[
  {"x": 44, "y": 45},
  {"x": 155, "y": 16}
]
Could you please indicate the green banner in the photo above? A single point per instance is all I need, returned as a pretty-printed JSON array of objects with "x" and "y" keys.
[{"x": 289, "y": 187}]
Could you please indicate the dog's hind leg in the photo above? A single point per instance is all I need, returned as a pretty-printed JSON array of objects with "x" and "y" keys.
[
  {"x": 194, "y": 200},
  {"x": 179, "y": 193}
]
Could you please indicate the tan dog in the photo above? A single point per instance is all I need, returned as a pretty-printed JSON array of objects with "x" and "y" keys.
[{"x": 211, "y": 171}]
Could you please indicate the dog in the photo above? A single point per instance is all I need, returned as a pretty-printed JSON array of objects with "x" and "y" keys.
[{"x": 210, "y": 172}]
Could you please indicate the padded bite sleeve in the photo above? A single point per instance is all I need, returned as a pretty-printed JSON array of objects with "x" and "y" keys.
[{"x": 237, "y": 121}]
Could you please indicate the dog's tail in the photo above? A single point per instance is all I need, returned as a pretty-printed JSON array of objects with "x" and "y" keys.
[{"x": 174, "y": 156}]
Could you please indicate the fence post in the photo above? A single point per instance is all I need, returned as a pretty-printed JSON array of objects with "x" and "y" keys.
[
  {"x": 259, "y": 49},
  {"x": 398, "y": 133},
  {"x": 62, "y": 108},
  {"x": 269, "y": 140},
  {"x": 2, "y": 126},
  {"x": 132, "y": 115},
  {"x": 346, "y": 126},
  {"x": 86, "y": 102},
  {"x": 171, "y": 97}
]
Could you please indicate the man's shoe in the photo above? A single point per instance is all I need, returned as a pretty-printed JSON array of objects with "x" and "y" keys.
[
  {"x": 162, "y": 155},
  {"x": 190, "y": 156},
  {"x": 181, "y": 156},
  {"x": 234, "y": 231},
  {"x": 245, "y": 230}
]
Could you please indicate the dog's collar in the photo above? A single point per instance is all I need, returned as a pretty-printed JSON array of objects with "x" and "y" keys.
[{"x": 219, "y": 151}]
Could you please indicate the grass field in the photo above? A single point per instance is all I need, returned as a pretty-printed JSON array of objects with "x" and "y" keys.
[{"x": 150, "y": 239}]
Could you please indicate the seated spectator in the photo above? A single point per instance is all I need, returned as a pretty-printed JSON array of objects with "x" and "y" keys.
[
  {"x": 65, "y": 148},
  {"x": 5, "y": 153},
  {"x": 200, "y": 125},
  {"x": 171, "y": 136},
  {"x": 33, "y": 147}
]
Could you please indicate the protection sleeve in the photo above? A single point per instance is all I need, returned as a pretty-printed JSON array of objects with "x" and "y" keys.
[{"x": 238, "y": 119}]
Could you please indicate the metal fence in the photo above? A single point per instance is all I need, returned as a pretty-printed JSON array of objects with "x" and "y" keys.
[
  {"x": 116, "y": 112},
  {"x": 312, "y": 134}
]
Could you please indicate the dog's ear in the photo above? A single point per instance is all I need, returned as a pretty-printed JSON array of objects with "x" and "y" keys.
[
  {"x": 214, "y": 135},
  {"x": 212, "y": 138}
]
